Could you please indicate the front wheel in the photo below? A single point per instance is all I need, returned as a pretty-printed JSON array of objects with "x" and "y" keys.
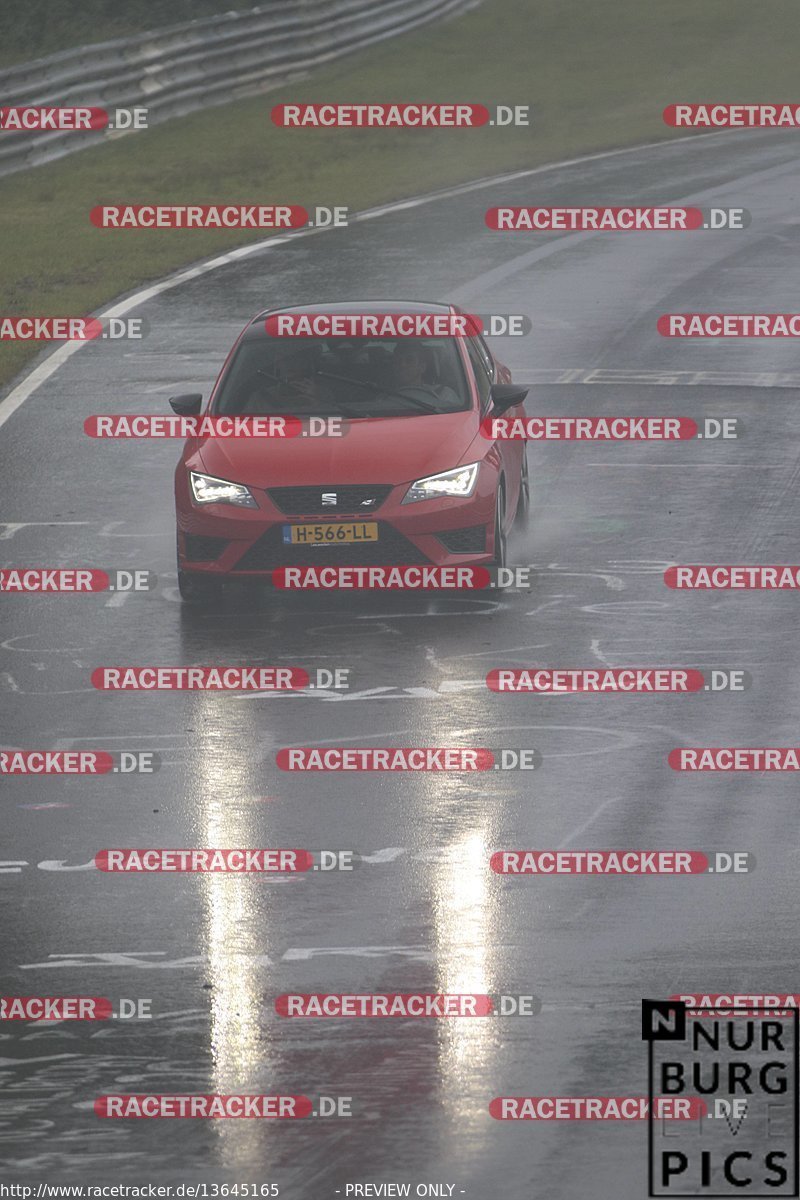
[
  {"x": 198, "y": 589},
  {"x": 522, "y": 515},
  {"x": 499, "y": 558}
]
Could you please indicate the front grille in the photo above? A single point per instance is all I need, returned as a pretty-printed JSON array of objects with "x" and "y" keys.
[
  {"x": 199, "y": 548},
  {"x": 390, "y": 549},
  {"x": 471, "y": 540},
  {"x": 350, "y": 498}
]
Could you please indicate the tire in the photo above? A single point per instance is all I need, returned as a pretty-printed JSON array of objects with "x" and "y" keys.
[
  {"x": 500, "y": 556},
  {"x": 198, "y": 589},
  {"x": 523, "y": 513}
]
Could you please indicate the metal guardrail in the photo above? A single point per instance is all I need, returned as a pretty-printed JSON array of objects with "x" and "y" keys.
[{"x": 199, "y": 64}]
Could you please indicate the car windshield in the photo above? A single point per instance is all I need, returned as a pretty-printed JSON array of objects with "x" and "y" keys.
[{"x": 349, "y": 377}]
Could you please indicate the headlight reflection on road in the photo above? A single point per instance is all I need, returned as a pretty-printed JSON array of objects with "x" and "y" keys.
[
  {"x": 463, "y": 937},
  {"x": 461, "y": 932},
  {"x": 236, "y": 930}
]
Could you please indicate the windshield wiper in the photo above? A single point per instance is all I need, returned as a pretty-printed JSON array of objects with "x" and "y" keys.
[
  {"x": 276, "y": 379},
  {"x": 378, "y": 389}
]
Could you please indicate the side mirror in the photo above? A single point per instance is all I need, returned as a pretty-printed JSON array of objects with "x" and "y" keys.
[
  {"x": 506, "y": 395},
  {"x": 187, "y": 406}
]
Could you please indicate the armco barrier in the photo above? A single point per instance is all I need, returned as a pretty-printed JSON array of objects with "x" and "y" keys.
[{"x": 182, "y": 68}]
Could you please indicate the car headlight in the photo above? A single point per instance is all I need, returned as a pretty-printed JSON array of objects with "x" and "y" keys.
[
  {"x": 208, "y": 490},
  {"x": 459, "y": 482}
]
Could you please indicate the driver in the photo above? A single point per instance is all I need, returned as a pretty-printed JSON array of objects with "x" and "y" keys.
[
  {"x": 410, "y": 370},
  {"x": 294, "y": 385}
]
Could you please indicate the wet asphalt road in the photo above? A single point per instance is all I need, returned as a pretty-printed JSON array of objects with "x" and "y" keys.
[{"x": 424, "y": 912}]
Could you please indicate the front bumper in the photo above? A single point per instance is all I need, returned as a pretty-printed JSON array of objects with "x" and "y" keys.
[{"x": 219, "y": 539}]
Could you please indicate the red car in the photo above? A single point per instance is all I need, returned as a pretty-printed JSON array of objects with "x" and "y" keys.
[{"x": 412, "y": 480}]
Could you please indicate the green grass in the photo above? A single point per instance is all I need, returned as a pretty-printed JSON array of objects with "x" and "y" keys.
[{"x": 597, "y": 75}]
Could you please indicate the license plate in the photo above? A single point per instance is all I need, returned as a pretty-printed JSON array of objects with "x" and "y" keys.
[{"x": 338, "y": 534}]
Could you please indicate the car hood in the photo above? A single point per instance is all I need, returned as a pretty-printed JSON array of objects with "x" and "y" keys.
[{"x": 389, "y": 450}]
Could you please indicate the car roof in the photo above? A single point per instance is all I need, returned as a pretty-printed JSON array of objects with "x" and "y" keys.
[{"x": 256, "y": 326}]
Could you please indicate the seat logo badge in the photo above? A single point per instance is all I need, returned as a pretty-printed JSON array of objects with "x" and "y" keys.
[{"x": 329, "y": 499}]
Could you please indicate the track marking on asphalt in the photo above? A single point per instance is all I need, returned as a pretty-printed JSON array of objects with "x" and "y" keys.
[
  {"x": 497, "y": 650},
  {"x": 613, "y": 582},
  {"x": 639, "y": 566},
  {"x": 473, "y": 608},
  {"x": 179, "y": 745},
  {"x": 40, "y": 374},
  {"x": 594, "y": 647},
  {"x": 7, "y": 645},
  {"x": 626, "y": 738},
  {"x": 117, "y": 600},
  {"x": 430, "y": 657},
  {"x": 553, "y": 602},
  {"x": 446, "y": 687},
  {"x": 117, "y": 958},
  {"x": 590, "y": 820},
  {"x": 60, "y": 864},
  {"x": 674, "y": 466},
  {"x": 543, "y": 376}
]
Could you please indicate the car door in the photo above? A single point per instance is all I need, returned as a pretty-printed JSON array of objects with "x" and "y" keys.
[{"x": 511, "y": 453}]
